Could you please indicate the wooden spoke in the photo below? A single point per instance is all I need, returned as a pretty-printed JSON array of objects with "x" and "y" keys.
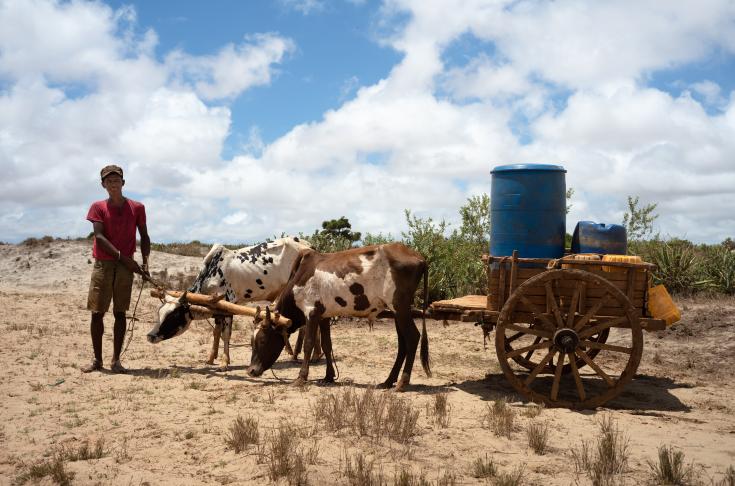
[
  {"x": 551, "y": 299},
  {"x": 592, "y": 312},
  {"x": 607, "y": 347},
  {"x": 573, "y": 305},
  {"x": 529, "y": 330},
  {"x": 602, "y": 326},
  {"x": 536, "y": 311},
  {"x": 595, "y": 367},
  {"x": 540, "y": 366},
  {"x": 557, "y": 376},
  {"x": 515, "y": 336},
  {"x": 520, "y": 351},
  {"x": 577, "y": 378},
  {"x": 530, "y": 353}
]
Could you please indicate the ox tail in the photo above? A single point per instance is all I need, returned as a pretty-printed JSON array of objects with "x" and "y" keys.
[{"x": 425, "y": 361}]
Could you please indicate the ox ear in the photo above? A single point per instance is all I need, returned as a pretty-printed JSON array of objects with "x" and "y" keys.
[{"x": 182, "y": 299}]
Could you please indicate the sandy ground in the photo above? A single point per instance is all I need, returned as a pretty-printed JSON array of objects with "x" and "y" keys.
[{"x": 166, "y": 421}]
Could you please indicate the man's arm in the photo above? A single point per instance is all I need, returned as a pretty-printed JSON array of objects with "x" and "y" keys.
[
  {"x": 145, "y": 245},
  {"x": 99, "y": 235}
]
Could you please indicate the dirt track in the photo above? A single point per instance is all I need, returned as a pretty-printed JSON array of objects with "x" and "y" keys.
[{"x": 166, "y": 421}]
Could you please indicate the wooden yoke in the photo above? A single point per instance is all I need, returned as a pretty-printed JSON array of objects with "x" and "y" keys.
[{"x": 221, "y": 305}]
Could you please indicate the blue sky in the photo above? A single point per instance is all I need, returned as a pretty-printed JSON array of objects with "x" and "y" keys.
[{"x": 236, "y": 121}]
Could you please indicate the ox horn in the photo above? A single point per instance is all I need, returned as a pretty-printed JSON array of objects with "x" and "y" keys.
[
  {"x": 182, "y": 299},
  {"x": 267, "y": 321},
  {"x": 216, "y": 298}
]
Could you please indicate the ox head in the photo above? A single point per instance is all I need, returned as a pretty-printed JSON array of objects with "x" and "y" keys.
[
  {"x": 174, "y": 317},
  {"x": 268, "y": 341}
]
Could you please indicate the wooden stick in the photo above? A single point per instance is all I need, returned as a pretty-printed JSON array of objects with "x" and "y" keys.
[{"x": 222, "y": 305}]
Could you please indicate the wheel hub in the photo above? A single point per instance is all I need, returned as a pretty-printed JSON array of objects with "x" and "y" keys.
[{"x": 566, "y": 339}]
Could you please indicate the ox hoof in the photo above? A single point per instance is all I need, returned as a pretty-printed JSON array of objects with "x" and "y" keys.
[
  {"x": 401, "y": 386},
  {"x": 326, "y": 381},
  {"x": 299, "y": 382},
  {"x": 209, "y": 362},
  {"x": 386, "y": 385},
  {"x": 224, "y": 368}
]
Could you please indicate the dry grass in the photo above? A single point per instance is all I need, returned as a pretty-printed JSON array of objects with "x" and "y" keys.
[
  {"x": 533, "y": 410},
  {"x": 439, "y": 410},
  {"x": 360, "y": 471},
  {"x": 283, "y": 457},
  {"x": 538, "y": 437},
  {"x": 242, "y": 433},
  {"x": 671, "y": 469},
  {"x": 606, "y": 459},
  {"x": 483, "y": 468},
  {"x": 500, "y": 418},
  {"x": 55, "y": 466},
  {"x": 510, "y": 478},
  {"x": 367, "y": 414},
  {"x": 728, "y": 478}
]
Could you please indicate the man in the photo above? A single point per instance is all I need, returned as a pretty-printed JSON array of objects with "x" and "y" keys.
[{"x": 115, "y": 221}]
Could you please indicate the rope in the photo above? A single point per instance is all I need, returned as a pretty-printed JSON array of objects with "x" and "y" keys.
[{"x": 131, "y": 322}]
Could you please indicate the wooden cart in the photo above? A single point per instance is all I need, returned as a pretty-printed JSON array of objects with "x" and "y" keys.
[{"x": 553, "y": 319}]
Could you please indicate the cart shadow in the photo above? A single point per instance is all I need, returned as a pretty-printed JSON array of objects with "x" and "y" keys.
[{"x": 644, "y": 394}]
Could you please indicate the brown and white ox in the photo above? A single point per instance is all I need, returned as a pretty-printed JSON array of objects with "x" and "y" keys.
[
  {"x": 360, "y": 282},
  {"x": 249, "y": 274}
]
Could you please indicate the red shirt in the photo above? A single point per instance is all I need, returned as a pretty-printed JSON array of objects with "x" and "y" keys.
[{"x": 120, "y": 225}]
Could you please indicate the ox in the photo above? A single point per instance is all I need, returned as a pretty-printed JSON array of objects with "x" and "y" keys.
[
  {"x": 360, "y": 282},
  {"x": 253, "y": 273}
]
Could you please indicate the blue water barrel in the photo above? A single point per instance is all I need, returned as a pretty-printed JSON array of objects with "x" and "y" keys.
[
  {"x": 591, "y": 237},
  {"x": 528, "y": 210}
]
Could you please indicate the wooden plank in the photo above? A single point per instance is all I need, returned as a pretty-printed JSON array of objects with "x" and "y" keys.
[
  {"x": 513, "y": 273},
  {"x": 501, "y": 287}
]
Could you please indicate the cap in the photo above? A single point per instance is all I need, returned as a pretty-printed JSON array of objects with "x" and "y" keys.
[{"x": 111, "y": 169}]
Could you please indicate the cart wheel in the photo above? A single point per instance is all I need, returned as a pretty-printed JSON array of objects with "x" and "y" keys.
[
  {"x": 563, "y": 336},
  {"x": 530, "y": 359}
]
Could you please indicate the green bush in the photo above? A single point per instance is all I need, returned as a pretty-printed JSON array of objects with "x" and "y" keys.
[{"x": 717, "y": 269}]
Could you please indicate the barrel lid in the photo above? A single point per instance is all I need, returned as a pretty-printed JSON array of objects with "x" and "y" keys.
[{"x": 529, "y": 167}]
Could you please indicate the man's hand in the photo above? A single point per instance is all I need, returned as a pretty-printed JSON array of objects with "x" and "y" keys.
[{"x": 131, "y": 264}]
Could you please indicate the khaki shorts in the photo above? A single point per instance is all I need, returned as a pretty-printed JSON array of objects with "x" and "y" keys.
[{"x": 111, "y": 280}]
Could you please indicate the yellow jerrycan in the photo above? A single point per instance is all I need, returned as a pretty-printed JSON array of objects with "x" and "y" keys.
[{"x": 661, "y": 305}]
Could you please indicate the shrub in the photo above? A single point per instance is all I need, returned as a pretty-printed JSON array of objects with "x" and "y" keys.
[
  {"x": 718, "y": 269},
  {"x": 359, "y": 472},
  {"x": 500, "y": 418},
  {"x": 440, "y": 410},
  {"x": 670, "y": 468},
  {"x": 538, "y": 437},
  {"x": 677, "y": 264},
  {"x": 483, "y": 468},
  {"x": 242, "y": 433},
  {"x": 605, "y": 458},
  {"x": 368, "y": 414}
]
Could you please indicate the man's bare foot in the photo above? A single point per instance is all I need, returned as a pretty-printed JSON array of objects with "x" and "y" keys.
[
  {"x": 95, "y": 365},
  {"x": 117, "y": 367}
]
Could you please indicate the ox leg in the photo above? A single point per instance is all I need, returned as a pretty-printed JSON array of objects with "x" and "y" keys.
[
  {"x": 411, "y": 336},
  {"x": 299, "y": 344},
  {"x": 309, "y": 338},
  {"x": 216, "y": 332},
  {"x": 226, "y": 333},
  {"x": 318, "y": 351},
  {"x": 326, "y": 346},
  {"x": 400, "y": 357}
]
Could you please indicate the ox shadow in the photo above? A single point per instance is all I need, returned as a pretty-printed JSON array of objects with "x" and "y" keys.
[
  {"x": 237, "y": 373},
  {"x": 645, "y": 395}
]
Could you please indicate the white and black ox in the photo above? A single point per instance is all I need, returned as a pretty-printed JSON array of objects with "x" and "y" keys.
[
  {"x": 249, "y": 274},
  {"x": 360, "y": 282}
]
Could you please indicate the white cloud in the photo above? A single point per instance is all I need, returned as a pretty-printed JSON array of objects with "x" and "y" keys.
[
  {"x": 573, "y": 78},
  {"x": 234, "y": 68}
]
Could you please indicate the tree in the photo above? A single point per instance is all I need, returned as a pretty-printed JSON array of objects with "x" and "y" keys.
[
  {"x": 638, "y": 221},
  {"x": 340, "y": 228}
]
